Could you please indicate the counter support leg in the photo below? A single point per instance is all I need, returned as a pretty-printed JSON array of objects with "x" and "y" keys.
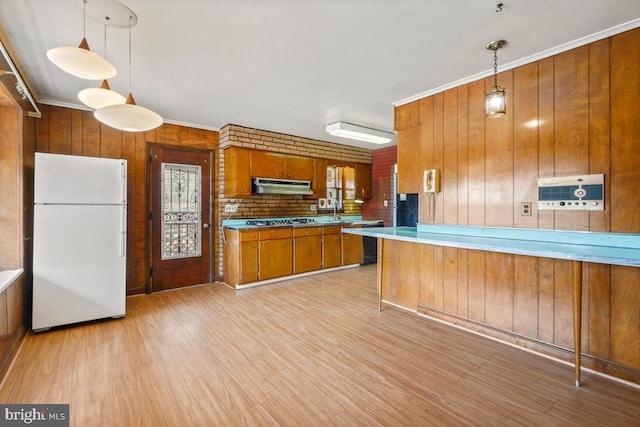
[
  {"x": 380, "y": 262},
  {"x": 576, "y": 272}
]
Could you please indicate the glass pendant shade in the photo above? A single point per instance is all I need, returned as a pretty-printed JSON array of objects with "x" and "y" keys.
[
  {"x": 81, "y": 62},
  {"x": 128, "y": 117},
  {"x": 495, "y": 103},
  {"x": 98, "y": 97}
]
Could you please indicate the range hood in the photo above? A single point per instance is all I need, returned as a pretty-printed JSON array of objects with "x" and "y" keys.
[{"x": 281, "y": 186}]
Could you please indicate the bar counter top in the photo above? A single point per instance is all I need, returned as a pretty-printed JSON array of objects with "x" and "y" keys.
[{"x": 604, "y": 248}]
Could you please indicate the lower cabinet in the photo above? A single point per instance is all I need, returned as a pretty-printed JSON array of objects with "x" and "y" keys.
[
  {"x": 307, "y": 249},
  {"x": 275, "y": 254},
  {"x": 331, "y": 246},
  {"x": 352, "y": 250},
  {"x": 261, "y": 254},
  {"x": 248, "y": 262}
]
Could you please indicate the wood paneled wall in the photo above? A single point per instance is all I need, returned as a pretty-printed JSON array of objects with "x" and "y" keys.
[
  {"x": 574, "y": 113},
  {"x": 77, "y": 132}
]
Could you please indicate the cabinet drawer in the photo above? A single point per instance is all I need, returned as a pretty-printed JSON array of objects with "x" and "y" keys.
[
  {"x": 306, "y": 231},
  {"x": 276, "y": 233},
  {"x": 331, "y": 229},
  {"x": 247, "y": 236}
]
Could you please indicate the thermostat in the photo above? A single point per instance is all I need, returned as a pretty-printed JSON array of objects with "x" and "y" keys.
[{"x": 577, "y": 192}]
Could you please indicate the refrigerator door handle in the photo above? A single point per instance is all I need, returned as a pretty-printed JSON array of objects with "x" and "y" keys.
[{"x": 123, "y": 232}]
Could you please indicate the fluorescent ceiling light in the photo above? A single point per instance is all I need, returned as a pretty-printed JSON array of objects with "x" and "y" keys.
[{"x": 361, "y": 133}]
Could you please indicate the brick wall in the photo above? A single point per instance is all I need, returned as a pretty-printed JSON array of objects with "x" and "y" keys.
[
  {"x": 279, "y": 205},
  {"x": 382, "y": 186}
]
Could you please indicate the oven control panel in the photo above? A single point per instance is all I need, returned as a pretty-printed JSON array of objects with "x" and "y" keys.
[{"x": 577, "y": 192}]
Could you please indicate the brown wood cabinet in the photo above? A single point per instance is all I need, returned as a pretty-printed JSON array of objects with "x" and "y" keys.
[
  {"x": 241, "y": 256},
  {"x": 331, "y": 246},
  {"x": 307, "y": 249},
  {"x": 275, "y": 253},
  {"x": 299, "y": 168},
  {"x": 348, "y": 182},
  {"x": 352, "y": 249},
  {"x": 260, "y": 254},
  {"x": 267, "y": 164},
  {"x": 363, "y": 181},
  {"x": 319, "y": 181},
  {"x": 237, "y": 181}
]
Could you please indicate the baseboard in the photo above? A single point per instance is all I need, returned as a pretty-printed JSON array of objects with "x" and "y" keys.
[{"x": 605, "y": 367}]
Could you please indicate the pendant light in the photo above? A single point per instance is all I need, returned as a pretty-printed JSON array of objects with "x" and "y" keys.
[
  {"x": 80, "y": 61},
  {"x": 495, "y": 103},
  {"x": 128, "y": 117},
  {"x": 98, "y": 97}
]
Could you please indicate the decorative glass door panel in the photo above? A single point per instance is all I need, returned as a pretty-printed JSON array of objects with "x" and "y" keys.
[{"x": 181, "y": 211}]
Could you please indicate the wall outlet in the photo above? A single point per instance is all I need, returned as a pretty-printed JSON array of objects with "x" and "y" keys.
[
  {"x": 230, "y": 208},
  {"x": 313, "y": 208},
  {"x": 386, "y": 203},
  {"x": 525, "y": 208}
]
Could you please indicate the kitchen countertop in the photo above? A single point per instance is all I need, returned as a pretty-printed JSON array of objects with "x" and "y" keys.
[
  {"x": 318, "y": 222},
  {"x": 605, "y": 248}
]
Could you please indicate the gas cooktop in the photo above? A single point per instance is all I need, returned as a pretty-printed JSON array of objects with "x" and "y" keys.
[{"x": 282, "y": 221}]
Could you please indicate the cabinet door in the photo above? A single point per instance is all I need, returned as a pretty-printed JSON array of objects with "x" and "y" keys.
[
  {"x": 319, "y": 181},
  {"x": 237, "y": 179},
  {"x": 363, "y": 181},
  {"x": 348, "y": 183},
  {"x": 248, "y": 262},
  {"x": 276, "y": 258},
  {"x": 351, "y": 249},
  {"x": 307, "y": 254},
  {"x": 299, "y": 168},
  {"x": 409, "y": 173},
  {"x": 331, "y": 250},
  {"x": 265, "y": 164}
]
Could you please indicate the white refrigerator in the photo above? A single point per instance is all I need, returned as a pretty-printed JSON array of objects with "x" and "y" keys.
[{"x": 79, "y": 239}]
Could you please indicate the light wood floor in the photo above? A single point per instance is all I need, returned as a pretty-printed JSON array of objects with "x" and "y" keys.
[{"x": 307, "y": 352}]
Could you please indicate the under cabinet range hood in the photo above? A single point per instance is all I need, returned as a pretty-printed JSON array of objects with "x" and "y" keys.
[{"x": 281, "y": 186}]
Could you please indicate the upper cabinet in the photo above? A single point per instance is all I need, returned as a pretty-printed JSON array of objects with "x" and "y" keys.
[
  {"x": 407, "y": 124},
  {"x": 237, "y": 181},
  {"x": 266, "y": 164},
  {"x": 363, "y": 181},
  {"x": 407, "y": 115},
  {"x": 351, "y": 180}
]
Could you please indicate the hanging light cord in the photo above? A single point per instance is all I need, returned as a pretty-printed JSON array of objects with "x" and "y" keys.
[
  {"x": 84, "y": 18},
  {"x": 495, "y": 67},
  {"x": 130, "y": 18}
]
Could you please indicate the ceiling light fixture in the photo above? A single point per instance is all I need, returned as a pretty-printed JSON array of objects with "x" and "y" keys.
[
  {"x": 360, "y": 133},
  {"x": 80, "y": 61},
  {"x": 128, "y": 117},
  {"x": 495, "y": 103},
  {"x": 98, "y": 97}
]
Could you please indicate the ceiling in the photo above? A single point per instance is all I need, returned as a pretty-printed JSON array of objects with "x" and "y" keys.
[{"x": 293, "y": 66}]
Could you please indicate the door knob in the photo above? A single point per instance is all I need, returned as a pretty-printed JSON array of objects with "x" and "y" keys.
[{"x": 205, "y": 225}]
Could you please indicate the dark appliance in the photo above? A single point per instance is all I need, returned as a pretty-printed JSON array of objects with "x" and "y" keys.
[
  {"x": 370, "y": 244},
  {"x": 406, "y": 210}
]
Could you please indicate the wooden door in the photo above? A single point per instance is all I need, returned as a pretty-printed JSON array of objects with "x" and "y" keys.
[
  {"x": 307, "y": 249},
  {"x": 276, "y": 258},
  {"x": 265, "y": 164},
  {"x": 299, "y": 168},
  {"x": 181, "y": 235},
  {"x": 237, "y": 179},
  {"x": 351, "y": 249},
  {"x": 248, "y": 262},
  {"x": 331, "y": 250},
  {"x": 363, "y": 181}
]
